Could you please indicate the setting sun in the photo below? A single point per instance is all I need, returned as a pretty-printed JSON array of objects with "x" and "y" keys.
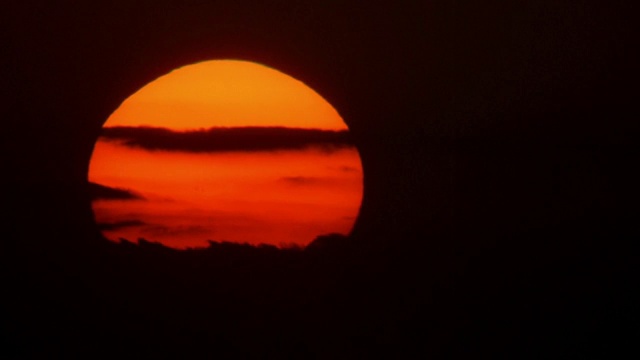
[
  {"x": 225, "y": 150},
  {"x": 226, "y": 93}
]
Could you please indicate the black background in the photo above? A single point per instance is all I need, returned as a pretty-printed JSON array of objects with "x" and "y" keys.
[{"x": 498, "y": 142}]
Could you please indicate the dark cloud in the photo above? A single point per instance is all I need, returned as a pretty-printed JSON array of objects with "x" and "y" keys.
[
  {"x": 101, "y": 192},
  {"x": 228, "y": 139},
  {"x": 162, "y": 230},
  {"x": 119, "y": 225}
]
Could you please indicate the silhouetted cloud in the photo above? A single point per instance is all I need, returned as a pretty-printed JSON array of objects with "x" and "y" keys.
[
  {"x": 163, "y": 230},
  {"x": 120, "y": 224},
  {"x": 327, "y": 242},
  {"x": 102, "y": 192},
  {"x": 221, "y": 139}
]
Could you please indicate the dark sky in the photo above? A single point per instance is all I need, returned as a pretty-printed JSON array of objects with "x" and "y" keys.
[{"x": 498, "y": 146}]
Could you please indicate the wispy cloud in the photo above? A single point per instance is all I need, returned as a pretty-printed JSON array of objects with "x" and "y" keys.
[
  {"x": 349, "y": 169},
  {"x": 300, "y": 180},
  {"x": 120, "y": 224},
  {"x": 102, "y": 192},
  {"x": 227, "y": 139}
]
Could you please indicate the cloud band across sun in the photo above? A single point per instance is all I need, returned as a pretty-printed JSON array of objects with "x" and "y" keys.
[{"x": 225, "y": 139}]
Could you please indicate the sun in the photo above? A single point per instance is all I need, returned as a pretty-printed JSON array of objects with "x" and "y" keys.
[
  {"x": 225, "y": 150},
  {"x": 226, "y": 93}
]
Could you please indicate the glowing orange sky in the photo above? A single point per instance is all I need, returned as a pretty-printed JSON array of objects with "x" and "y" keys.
[{"x": 274, "y": 197}]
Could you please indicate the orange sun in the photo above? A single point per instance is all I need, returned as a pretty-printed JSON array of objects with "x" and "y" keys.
[{"x": 225, "y": 150}]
